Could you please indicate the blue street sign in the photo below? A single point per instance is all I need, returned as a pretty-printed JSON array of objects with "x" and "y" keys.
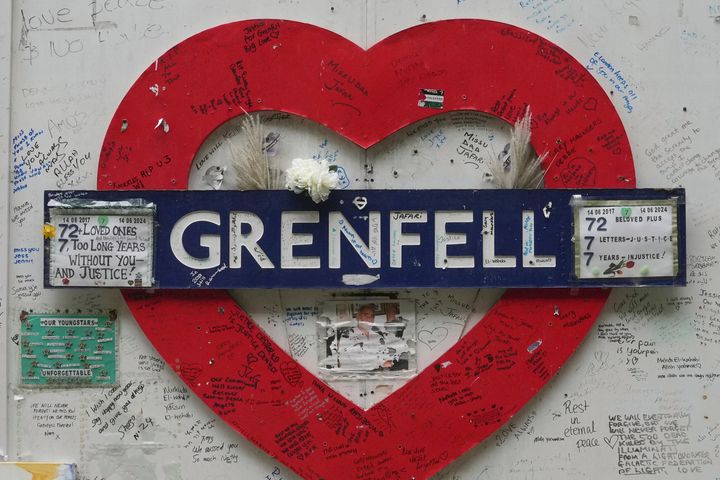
[{"x": 377, "y": 239}]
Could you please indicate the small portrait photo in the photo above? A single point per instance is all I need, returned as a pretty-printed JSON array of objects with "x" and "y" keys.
[{"x": 368, "y": 338}]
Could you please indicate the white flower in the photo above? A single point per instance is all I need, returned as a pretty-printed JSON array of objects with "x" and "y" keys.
[{"x": 312, "y": 176}]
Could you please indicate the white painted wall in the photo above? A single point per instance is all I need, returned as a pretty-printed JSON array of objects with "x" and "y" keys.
[
  {"x": 5, "y": 61},
  {"x": 70, "y": 71}
]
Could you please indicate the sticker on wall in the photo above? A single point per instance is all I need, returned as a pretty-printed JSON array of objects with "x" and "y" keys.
[
  {"x": 67, "y": 350},
  {"x": 431, "y": 98},
  {"x": 99, "y": 244}
]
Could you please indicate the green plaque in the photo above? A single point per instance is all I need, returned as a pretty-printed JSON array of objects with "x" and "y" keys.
[{"x": 62, "y": 350}]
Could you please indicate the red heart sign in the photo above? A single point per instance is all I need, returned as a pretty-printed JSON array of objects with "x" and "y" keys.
[{"x": 229, "y": 362}]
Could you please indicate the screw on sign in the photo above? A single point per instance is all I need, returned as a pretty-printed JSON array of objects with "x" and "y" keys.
[{"x": 414, "y": 432}]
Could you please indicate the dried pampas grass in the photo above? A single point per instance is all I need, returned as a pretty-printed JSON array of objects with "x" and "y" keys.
[
  {"x": 518, "y": 166},
  {"x": 249, "y": 158}
]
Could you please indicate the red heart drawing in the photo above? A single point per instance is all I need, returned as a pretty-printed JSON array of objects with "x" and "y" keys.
[
  {"x": 257, "y": 388},
  {"x": 579, "y": 173}
]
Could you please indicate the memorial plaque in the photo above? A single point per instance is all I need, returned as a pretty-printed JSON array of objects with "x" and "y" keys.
[
  {"x": 100, "y": 244},
  {"x": 628, "y": 239},
  {"x": 68, "y": 349},
  {"x": 398, "y": 239}
]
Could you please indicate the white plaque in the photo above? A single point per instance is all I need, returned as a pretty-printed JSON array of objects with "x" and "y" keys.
[
  {"x": 625, "y": 239},
  {"x": 100, "y": 247}
]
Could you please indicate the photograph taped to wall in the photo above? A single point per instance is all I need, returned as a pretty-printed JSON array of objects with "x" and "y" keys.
[{"x": 366, "y": 338}]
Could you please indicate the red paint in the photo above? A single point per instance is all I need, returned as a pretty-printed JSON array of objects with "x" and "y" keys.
[{"x": 298, "y": 68}]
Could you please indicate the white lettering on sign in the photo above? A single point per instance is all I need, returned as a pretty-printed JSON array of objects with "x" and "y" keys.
[
  {"x": 90, "y": 247},
  {"x": 490, "y": 260},
  {"x": 443, "y": 239},
  {"x": 530, "y": 260},
  {"x": 625, "y": 240},
  {"x": 339, "y": 227},
  {"x": 248, "y": 240},
  {"x": 289, "y": 239},
  {"x": 398, "y": 239},
  {"x": 338, "y": 224},
  {"x": 211, "y": 242}
]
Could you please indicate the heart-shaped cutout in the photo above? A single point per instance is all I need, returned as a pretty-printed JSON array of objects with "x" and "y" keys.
[{"x": 255, "y": 386}]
